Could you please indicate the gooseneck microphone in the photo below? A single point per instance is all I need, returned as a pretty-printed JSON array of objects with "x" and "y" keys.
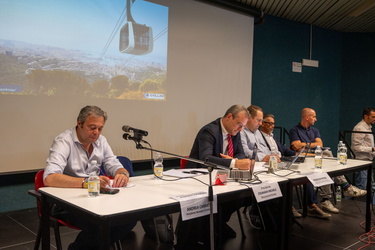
[{"x": 127, "y": 128}]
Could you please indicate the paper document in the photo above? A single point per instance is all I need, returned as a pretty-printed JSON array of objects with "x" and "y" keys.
[
  {"x": 111, "y": 183},
  {"x": 184, "y": 173}
]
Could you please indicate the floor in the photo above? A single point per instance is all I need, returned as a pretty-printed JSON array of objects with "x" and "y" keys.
[{"x": 18, "y": 230}]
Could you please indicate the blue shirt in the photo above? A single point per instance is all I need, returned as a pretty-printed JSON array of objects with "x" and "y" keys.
[
  {"x": 253, "y": 144},
  {"x": 67, "y": 156},
  {"x": 299, "y": 133}
]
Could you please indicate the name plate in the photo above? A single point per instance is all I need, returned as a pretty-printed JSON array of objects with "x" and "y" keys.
[
  {"x": 195, "y": 205},
  {"x": 267, "y": 191},
  {"x": 320, "y": 179}
]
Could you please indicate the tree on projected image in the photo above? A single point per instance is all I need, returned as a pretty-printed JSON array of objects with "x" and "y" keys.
[{"x": 83, "y": 57}]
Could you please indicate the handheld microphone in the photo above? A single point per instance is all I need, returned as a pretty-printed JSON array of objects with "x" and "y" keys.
[{"x": 127, "y": 128}]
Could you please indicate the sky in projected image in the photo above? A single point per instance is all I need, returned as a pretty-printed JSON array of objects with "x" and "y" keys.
[{"x": 58, "y": 48}]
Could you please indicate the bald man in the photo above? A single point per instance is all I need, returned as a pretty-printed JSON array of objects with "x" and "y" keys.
[{"x": 302, "y": 134}]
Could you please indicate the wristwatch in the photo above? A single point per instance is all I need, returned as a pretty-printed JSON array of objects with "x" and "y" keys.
[{"x": 126, "y": 173}]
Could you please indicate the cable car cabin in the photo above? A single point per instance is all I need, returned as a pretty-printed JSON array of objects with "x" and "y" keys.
[{"x": 136, "y": 39}]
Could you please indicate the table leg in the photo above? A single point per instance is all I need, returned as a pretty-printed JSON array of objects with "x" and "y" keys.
[
  {"x": 286, "y": 215},
  {"x": 46, "y": 213},
  {"x": 105, "y": 236},
  {"x": 368, "y": 199}
]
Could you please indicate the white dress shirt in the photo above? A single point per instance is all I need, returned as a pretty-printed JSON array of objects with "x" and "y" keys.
[
  {"x": 362, "y": 144},
  {"x": 272, "y": 143},
  {"x": 67, "y": 156}
]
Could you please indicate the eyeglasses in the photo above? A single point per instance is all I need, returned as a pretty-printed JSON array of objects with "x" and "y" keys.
[
  {"x": 269, "y": 123},
  {"x": 239, "y": 124}
]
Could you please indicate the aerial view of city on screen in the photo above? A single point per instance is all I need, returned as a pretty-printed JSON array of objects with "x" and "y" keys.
[{"x": 100, "y": 49}]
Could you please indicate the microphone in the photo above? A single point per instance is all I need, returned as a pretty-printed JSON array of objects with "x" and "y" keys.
[
  {"x": 127, "y": 128},
  {"x": 137, "y": 138},
  {"x": 128, "y": 137}
]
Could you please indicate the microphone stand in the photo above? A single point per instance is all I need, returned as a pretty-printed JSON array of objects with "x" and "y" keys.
[{"x": 210, "y": 167}]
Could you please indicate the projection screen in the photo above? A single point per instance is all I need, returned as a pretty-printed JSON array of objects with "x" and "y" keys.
[{"x": 167, "y": 67}]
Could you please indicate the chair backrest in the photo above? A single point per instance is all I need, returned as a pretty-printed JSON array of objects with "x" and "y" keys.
[
  {"x": 38, "y": 181},
  {"x": 125, "y": 161},
  {"x": 183, "y": 163}
]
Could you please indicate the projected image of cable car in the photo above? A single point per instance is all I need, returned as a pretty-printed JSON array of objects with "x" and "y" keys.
[{"x": 135, "y": 38}]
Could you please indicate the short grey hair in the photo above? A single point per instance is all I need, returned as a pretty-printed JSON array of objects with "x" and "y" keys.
[
  {"x": 235, "y": 109},
  {"x": 91, "y": 110}
]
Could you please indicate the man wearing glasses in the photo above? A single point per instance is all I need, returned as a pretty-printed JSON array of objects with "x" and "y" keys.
[
  {"x": 212, "y": 140},
  {"x": 273, "y": 143},
  {"x": 218, "y": 142},
  {"x": 254, "y": 146}
]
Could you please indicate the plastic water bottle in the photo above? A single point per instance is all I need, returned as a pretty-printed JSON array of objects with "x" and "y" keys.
[
  {"x": 318, "y": 158},
  {"x": 343, "y": 155},
  {"x": 94, "y": 181},
  {"x": 338, "y": 151},
  {"x": 338, "y": 193},
  {"x": 158, "y": 166},
  {"x": 272, "y": 164},
  {"x": 275, "y": 151}
]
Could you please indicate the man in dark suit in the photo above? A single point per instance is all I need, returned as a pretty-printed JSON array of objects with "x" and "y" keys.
[
  {"x": 212, "y": 140},
  {"x": 213, "y": 143}
]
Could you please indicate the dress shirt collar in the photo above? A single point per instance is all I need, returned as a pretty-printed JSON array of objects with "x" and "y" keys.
[
  {"x": 368, "y": 125},
  {"x": 265, "y": 134},
  {"x": 76, "y": 140},
  {"x": 223, "y": 130},
  {"x": 248, "y": 130}
]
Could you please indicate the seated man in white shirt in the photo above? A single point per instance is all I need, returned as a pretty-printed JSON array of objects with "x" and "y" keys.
[
  {"x": 363, "y": 144},
  {"x": 274, "y": 145},
  {"x": 69, "y": 164}
]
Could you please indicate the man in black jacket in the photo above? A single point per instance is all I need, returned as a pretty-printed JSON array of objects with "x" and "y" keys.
[{"x": 212, "y": 144}]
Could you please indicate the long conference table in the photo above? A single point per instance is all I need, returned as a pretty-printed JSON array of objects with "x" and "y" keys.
[{"x": 149, "y": 197}]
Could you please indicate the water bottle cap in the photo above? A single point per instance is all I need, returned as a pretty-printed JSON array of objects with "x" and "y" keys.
[{"x": 158, "y": 157}]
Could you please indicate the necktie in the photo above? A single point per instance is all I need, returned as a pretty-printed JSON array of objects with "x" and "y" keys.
[{"x": 230, "y": 145}]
